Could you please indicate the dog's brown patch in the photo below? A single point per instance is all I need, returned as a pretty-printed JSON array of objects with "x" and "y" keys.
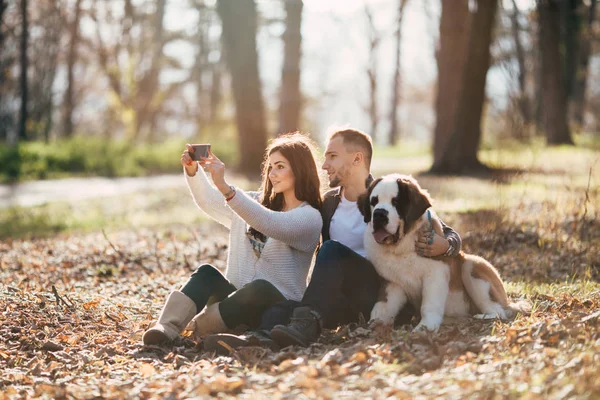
[
  {"x": 456, "y": 284},
  {"x": 455, "y": 264},
  {"x": 382, "y": 295},
  {"x": 413, "y": 201},
  {"x": 364, "y": 201}
]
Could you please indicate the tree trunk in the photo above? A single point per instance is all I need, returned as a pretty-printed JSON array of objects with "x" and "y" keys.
[
  {"x": 374, "y": 40},
  {"x": 394, "y": 134},
  {"x": 460, "y": 155},
  {"x": 3, "y": 73},
  {"x": 571, "y": 11},
  {"x": 3, "y": 6},
  {"x": 239, "y": 43},
  {"x": 580, "y": 84},
  {"x": 216, "y": 94},
  {"x": 24, "y": 68},
  {"x": 69, "y": 101},
  {"x": 149, "y": 85},
  {"x": 200, "y": 65},
  {"x": 554, "y": 96},
  {"x": 290, "y": 102},
  {"x": 451, "y": 56},
  {"x": 523, "y": 101}
]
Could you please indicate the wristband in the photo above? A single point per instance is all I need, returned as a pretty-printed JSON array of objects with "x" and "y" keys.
[
  {"x": 450, "y": 250},
  {"x": 229, "y": 195}
]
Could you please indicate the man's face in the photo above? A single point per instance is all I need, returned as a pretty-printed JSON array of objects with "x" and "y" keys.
[{"x": 338, "y": 162}]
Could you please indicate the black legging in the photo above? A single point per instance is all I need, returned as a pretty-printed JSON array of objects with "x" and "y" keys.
[{"x": 245, "y": 306}]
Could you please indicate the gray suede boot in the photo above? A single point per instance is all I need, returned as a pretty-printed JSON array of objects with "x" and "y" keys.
[{"x": 175, "y": 315}]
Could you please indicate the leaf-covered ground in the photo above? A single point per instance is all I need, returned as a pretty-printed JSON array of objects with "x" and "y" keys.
[{"x": 73, "y": 308}]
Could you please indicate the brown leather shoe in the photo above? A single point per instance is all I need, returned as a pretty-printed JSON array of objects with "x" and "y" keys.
[
  {"x": 222, "y": 343},
  {"x": 304, "y": 329}
]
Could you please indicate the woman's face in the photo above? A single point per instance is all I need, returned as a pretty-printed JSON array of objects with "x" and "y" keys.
[{"x": 280, "y": 173}]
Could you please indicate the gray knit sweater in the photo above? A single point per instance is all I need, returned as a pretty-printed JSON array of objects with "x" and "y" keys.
[{"x": 292, "y": 237}]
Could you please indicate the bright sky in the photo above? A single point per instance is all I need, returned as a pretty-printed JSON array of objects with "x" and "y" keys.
[{"x": 342, "y": 6}]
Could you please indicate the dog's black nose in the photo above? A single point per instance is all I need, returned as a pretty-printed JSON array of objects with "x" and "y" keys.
[{"x": 380, "y": 213}]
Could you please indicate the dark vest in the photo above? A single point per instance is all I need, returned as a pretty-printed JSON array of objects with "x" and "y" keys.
[{"x": 331, "y": 200}]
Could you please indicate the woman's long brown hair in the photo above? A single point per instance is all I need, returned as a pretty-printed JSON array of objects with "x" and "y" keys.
[{"x": 298, "y": 149}]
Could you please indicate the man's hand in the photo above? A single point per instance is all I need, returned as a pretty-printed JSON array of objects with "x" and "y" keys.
[{"x": 429, "y": 243}]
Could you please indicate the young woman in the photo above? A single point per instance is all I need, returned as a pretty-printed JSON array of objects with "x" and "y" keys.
[{"x": 273, "y": 236}]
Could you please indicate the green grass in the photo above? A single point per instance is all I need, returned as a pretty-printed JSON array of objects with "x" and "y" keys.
[
  {"x": 142, "y": 209},
  {"x": 82, "y": 156},
  {"x": 581, "y": 288},
  {"x": 128, "y": 211}
]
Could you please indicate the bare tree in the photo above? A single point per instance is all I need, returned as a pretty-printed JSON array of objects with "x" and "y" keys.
[
  {"x": 3, "y": 75},
  {"x": 132, "y": 63},
  {"x": 3, "y": 6},
  {"x": 554, "y": 96},
  {"x": 523, "y": 98},
  {"x": 396, "y": 86},
  {"x": 44, "y": 47},
  {"x": 571, "y": 31},
  {"x": 581, "y": 77},
  {"x": 149, "y": 84},
  {"x": 374, "y": 38},
  {"x": 206, "y": 71},
  {"x": 24, "y": 67},
  {"x": 10, "y": 79},
  {"x": 451, "y": 56},
  {"x": 69, "y": 101},
  {"x": 239, "y": 21},
  {"x": 460, "y": 155},
  {"x": 290, "y": 102}
]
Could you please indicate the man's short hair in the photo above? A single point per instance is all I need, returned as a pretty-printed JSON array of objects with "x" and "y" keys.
[{"x": 354, "y": 141}]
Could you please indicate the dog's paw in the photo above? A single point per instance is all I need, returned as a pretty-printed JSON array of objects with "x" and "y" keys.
[
  {"x": 486, "y": 316},
  {"x": 375, "y": 322},
  {"x": 427, "y": 326},
  {"x": 381, "y": 313}
]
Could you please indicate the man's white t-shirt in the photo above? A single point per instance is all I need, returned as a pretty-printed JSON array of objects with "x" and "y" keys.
[{"x": 348, "y": 226}]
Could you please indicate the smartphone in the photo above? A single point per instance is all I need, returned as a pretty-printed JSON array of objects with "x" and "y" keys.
[{"x": 200, "y": 150}]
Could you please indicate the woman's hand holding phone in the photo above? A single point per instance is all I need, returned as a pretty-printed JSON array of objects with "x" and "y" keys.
[
  {"x": 211, "y": 163},
  {"x": 216, "y": 168},
  {"x": 191, "y": 166}
]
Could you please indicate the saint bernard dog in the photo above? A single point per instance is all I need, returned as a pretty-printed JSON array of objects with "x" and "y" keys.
[{"x": 395, "y": 208}]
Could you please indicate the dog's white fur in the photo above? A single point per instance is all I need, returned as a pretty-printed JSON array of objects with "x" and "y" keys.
[{"x": 448, "y": 286}]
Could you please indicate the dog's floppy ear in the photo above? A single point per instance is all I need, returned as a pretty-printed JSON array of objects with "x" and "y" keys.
[
  {"x": 418, "y": 200},
  {"x": 364, "y": 205},
  {"x": 364, "y": 202}
]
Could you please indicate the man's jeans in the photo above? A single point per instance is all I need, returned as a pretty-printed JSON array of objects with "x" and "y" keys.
[{"x": 343, "y": 285}]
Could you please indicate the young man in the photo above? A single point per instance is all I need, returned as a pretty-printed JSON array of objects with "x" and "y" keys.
[{"x": 343, "y": 284}]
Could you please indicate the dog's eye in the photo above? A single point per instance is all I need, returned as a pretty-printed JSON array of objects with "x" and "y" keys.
[
  {"x": 374, "y": 201},
  {"x": 395, "y": 202}
]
